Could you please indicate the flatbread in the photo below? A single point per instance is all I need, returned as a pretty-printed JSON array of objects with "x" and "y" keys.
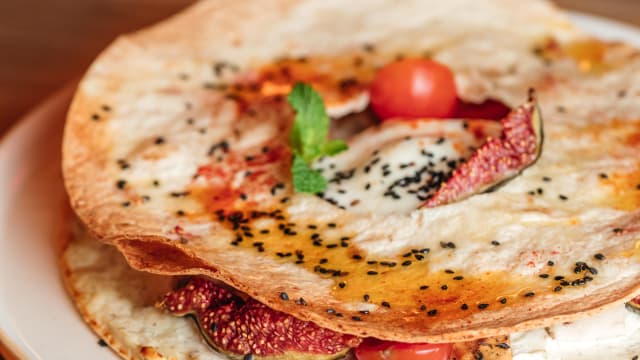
[
  {"x": 151, "y": 112},
  {"x": 119, "y": 304}
]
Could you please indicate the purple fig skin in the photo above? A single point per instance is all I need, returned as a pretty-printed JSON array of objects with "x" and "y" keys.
[{"x": 233, "y": 325}]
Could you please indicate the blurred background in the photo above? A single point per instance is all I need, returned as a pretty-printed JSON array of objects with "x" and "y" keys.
[{"x": 44, "y": 44}]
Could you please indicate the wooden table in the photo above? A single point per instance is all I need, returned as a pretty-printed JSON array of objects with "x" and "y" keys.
[{"x": 44, "y": 44}]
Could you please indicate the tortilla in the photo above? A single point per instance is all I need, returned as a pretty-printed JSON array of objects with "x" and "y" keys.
[
  {"x": 147, "y": 168},
  {"x": 119, "y": 303}
]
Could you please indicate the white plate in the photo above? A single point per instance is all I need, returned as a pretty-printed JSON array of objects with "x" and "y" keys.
[{"x": 37, "y": 319}]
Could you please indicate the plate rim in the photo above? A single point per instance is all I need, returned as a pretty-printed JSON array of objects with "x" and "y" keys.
[{"x": 12, "y": 348}]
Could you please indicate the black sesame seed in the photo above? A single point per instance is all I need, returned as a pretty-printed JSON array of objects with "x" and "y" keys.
[
  {"x": 371, "y": 272},
  {"x": 550, "y": 263},
  {"x": 406, "y": 263},
  {"x": 449, "y": 271},
  {"x": 102, "y": 343},
  {"x": 123, "y": 164},
  {"x": 503, "y": 300},
  {"x": 603, "y": 176},
  {"x": 559, "y": 277},
  {"x": 372, "y": 262},
  {"x": 424, "y": 287},
  {"x": 495, "y": 243},
  {"x": 432, "y": 312},
  {"x": 544, "y": 276},
  {"x": 159, "y": 140},
  {"x": 464, "y": 307},
  {"x": 618, "y": 230},
  {"x": 458, "y": 278},
  {"x": 120, "y": 184},
  {"x": 503, "y": 346},
  {"x": 483, "y": 306},
  {"x": 444, "y": 287},
  {"x": 95, "y": 117},
  {"x": 546, "y": 179},
  {"x": 356, "y": 318},
  {"x": 366, "y": 297},
  {"x": 342, "y": 284},
  {"x": 385, "y": 304},
  {"x": 301, "y": 301},
  {"x": 598, "y": 256},
  {"x": 284, "y": 296},
  {"x": 126, "y": 204},
  {"x": 180, "y": 213},
  {"x": 529, "y": 294},
  {"x": 179, "y": 193},
  {"x": 563, "y": 197}
]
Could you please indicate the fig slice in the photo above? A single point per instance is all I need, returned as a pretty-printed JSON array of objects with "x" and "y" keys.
[
  {"x": 634, "y": 305},
  {"x": 245, "y": 328},
  {"x": 499, "y": 160}
]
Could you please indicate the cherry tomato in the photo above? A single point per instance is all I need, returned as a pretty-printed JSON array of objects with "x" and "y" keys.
[
  {"x": 488, "y": 110},
  {"x": 414, "y": 88},
  {"x": 373, "y": 349}
]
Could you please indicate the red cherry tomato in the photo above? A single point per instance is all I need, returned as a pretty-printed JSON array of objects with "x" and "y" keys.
[
  {"x": 414, "y": 88},
  {"x": 373, "y": 349}
]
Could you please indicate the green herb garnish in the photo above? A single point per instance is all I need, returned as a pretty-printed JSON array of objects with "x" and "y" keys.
[{"x": 309, "y": 138}]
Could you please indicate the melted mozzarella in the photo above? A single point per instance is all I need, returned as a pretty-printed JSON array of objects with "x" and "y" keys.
[
  {"x": 612, "y": 334},
  {"x": 396, "y": 167}
]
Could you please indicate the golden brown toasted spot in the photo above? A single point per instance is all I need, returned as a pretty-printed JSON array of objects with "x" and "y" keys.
[{"x": 625, "y": 188}]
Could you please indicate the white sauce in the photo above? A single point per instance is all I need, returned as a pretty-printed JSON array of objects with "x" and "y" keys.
[
  {"x": 393, "y": 169},
  {"x": 613, "y": 335}
]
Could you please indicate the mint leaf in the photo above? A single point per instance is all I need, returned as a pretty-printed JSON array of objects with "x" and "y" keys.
[
  {"x": 305, "y": 179},
  {"x": 311, "y": 124},
  {"x": 334, "y": 147},
  {"x": 308, "y": 138}
]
